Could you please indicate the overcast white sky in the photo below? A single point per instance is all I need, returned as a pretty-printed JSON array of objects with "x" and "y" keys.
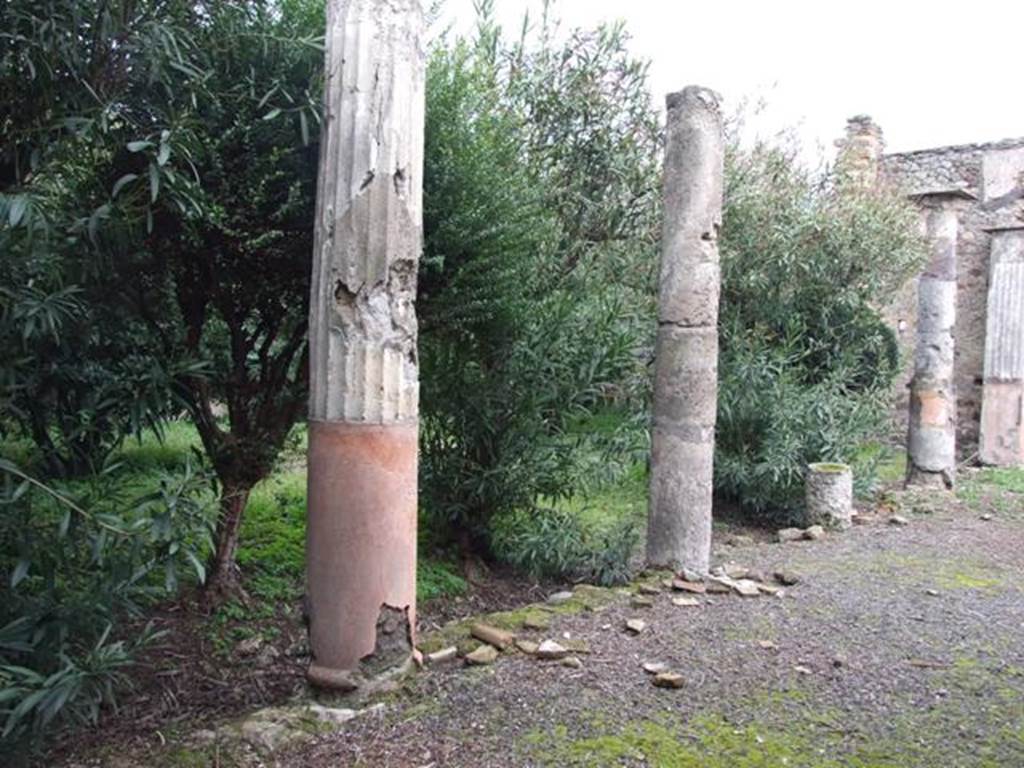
[{"x": 930, "y": 73}]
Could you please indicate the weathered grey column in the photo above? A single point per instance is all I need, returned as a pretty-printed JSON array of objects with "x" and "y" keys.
[
  {"x": 1002, "y": 405},
  {"x": 686, "y": 351},
  {"x": 361, "y": 539},
  {"x": 931, "y": 437}
]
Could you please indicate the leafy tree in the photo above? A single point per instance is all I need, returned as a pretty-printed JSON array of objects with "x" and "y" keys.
[
  {"x": 522, "y": 332},
  {"x": 806, "y": 360},
  {"x": 82, "y": 86},
  {"x": 230, "y": 288}
]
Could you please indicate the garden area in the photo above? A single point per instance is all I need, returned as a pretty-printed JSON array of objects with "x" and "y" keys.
[{"x": 158, "y": 179}]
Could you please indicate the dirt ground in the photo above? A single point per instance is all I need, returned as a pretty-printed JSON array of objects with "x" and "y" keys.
[{"x": 900, "y": 647}]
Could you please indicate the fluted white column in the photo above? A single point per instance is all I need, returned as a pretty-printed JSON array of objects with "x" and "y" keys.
[{"x": 361, "y": 539}]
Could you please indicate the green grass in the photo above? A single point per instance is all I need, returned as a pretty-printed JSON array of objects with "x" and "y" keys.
[
  {"x": 998, "y": 490},
  {"x": 609, "y": 504}
]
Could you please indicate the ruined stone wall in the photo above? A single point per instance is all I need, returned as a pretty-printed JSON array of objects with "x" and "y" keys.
[{"x": 993, "y": 174}]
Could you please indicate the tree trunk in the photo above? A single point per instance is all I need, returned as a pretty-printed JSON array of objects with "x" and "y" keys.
[
  {"x": 223, "y": 578},
  {"x": 686, "y": 352}
]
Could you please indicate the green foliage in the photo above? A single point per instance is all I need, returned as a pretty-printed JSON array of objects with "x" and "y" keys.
[
  {"x": 76, "y": 558},
  {"x": 522, "y": 331},
  {"x": 806, "y": 361},
  {"x": 555, "y": 543},
  {"x": 436, "y": 579},
  {"x": 88, "y": 128}
]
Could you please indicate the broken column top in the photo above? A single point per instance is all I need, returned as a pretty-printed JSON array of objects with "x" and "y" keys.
[
  {"x": 708, "y": 97},
  {"x": 955, "y": 193},
  {"x": 860, "y": 151}
]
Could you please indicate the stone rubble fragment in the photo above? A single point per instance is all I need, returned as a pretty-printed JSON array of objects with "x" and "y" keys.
[
  {"x": 549, "y": 650},
  {"x": 482, "y": 656},
  {"x": 746, "y": 588},
  {"x": 720, "y": 585},
  {"x": 559, "y": 598},
  {"x": 527, "y": 646},
  {"x": 443, "y": 655},
  {"x": 636, "y": 626},
  {"x": 655, "y": 667},
  {"x": 898, "y": 520},
  {"x": 734, "y": 571},
  {"x": 648, "y": 589},
  {"x": 639, "y": 601},
  {"x": 668, "y": 680},
  {"x": 767, "y": 645},
  {"x": 695, "y": 587},
  {"x": 685, "y": 602},
  {"x": 499, "y": 638},
  {"x": 690, "y": 575},
  {"x": 572, "y": 662}
]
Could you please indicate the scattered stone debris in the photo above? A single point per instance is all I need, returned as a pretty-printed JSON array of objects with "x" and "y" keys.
[
  {"x": 527, "y": 646},
  {"x": 636, "y": 626},
  {"x": 987, "y": 516},
  {"x": 549, "y": 650},
  {"x": 559, "y": 598},
  {"x": 272, "y": 728},
  {"x": 687, "y": 575},
  {"x": 639, "y": 601},
  {"x": 648, "y": 589},
  {"x": 898, "y": 520},
  {"x": 932, "y": 592},
  {"x": 499, "y": 638},
  {"x": 801, "y": 669},
  {"x": 767, "y": 645},
  {"x": 572, "y": 662},
  {"x": 443, "y": 655},
  {"x": 770, "y": 589},
  {"x": 789, "y": 534},
  {"x": 720, "y": 584},
  {"x": 734, "y": 571},
  {"x": 839, "y": 661},
  {"x": 668, "y": 680},
  {"x": 747, "y": 588},
  {"x": 685, "y": 602},
  {"x": 814, "y": 533},
  {"x": 655, "y": 667},
  {"x": 694, "y": 587},
  {"x": 482, "y": 656}
]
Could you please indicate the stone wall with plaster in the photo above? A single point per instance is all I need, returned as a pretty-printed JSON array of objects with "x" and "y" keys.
[{"x": 993, "y": 174}]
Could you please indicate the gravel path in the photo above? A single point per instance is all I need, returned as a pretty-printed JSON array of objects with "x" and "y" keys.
[{"x": 900, "y": 647}]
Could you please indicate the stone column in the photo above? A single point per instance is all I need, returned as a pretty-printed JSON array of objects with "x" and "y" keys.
[
  {"x": 829, "y": 495},
  {"x": 1002, "y": 405},
  {"x": 361, "y": 538},
  {"x": 931, "y": 438},
  {"x": 686, "y": 351},
  {"x": 860, "y": 152}
]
